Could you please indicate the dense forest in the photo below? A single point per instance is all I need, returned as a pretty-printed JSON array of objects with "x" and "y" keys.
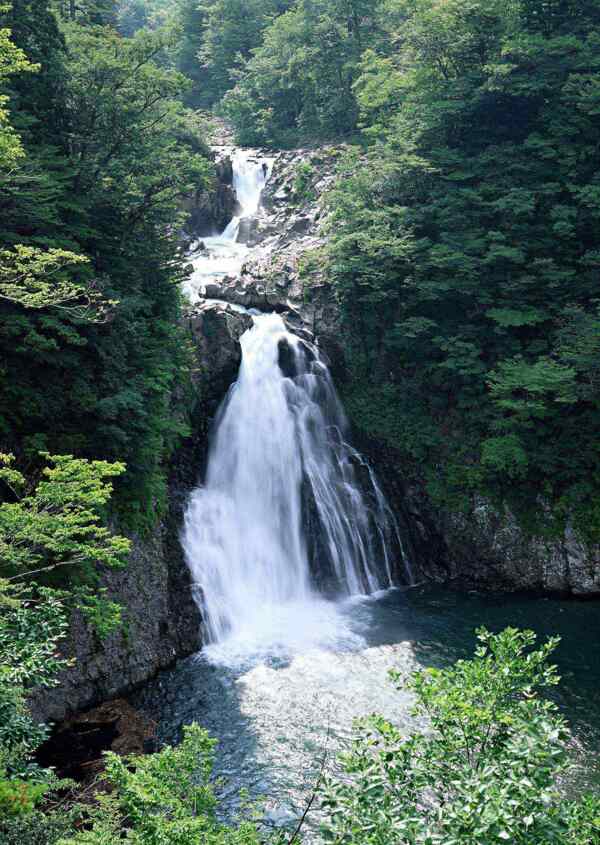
[{"x": 463, "y": 254}]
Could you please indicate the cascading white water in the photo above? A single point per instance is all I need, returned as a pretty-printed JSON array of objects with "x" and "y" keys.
[
  {"x": 223, "y": 255},
  {"x": 250, "y": 175},
  {"x": 278, "y": 456}
]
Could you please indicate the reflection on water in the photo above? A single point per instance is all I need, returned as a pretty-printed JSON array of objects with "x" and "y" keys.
[{"x": 275, "y": 717}]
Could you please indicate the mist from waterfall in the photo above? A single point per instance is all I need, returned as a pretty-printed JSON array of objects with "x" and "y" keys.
[{"x": 279, "y": 455}]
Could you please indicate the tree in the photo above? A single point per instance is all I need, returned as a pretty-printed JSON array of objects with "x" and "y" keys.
[
  {"x": 56, "y": 524},
  {"x": 45, "y": 527},
  {"x": 110, "y": 189},
  {"x": 12, "y": 61},
  {"x": 35, "y": 279},
  {"x": 35, "y": 98},
  {"x": 218, "y": 37},
  {"x": 299, "y": 82}
]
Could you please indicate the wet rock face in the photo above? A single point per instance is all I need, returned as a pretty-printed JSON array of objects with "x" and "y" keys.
[
  {"x": 161, "y": 624},
  {"x": 487, "y": 549}
]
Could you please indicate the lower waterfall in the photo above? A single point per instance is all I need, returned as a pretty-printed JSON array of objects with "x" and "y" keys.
[{"x": 282, "y": 486}]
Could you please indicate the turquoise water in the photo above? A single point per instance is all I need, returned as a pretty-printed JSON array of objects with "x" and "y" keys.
[{"x": 276, "y": 718}]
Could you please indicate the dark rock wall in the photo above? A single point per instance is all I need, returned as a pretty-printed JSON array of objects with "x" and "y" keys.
[
  {"x": 161, "y": 624},
  {"x": 210, "y": 211},
  {"x": 161, "y": 620}
]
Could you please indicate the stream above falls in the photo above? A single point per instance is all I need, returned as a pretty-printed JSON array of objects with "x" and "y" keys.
[{"x": 222, "y": 254}]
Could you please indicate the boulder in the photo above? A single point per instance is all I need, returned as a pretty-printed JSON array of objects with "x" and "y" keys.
[
  {"x": 76, "y": 747},
  {"x": 216, "y": 329}
]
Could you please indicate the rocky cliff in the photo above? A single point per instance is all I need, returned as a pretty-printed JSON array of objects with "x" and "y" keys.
[
  {"x": 487, "y": 549},
  {"x": 161, "y": 623},
  {"x": 210, "y": 210}
]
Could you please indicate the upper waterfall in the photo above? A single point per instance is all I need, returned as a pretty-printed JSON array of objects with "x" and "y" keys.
[
  {"x": 250, "y": 174},
  {"x": 223, "y": 254},
  {"x": 282, "y": 482}
]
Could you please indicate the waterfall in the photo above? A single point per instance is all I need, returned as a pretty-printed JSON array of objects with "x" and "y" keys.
[
  {"x": 280, "y": 451},
  {"x": 222, "y": 255},
  {"x": 249, "y": 178}
]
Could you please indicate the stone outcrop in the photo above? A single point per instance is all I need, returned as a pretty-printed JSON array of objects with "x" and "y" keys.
[
  {"x": 487, "y": 549},
  {"x": 161, "y": 624},
  {"x": 211, "y": 210},
  {"x": 216, "y": 329}
]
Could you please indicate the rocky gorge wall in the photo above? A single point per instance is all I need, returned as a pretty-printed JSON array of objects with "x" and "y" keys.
[{"x": 161, "y": 624}]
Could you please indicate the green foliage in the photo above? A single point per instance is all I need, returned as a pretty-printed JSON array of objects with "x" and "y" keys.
[
  {"x": 299, "y": 82},
  {"x": 463, "y": 252},
  {"x": 31, "y": 626},
  {"x": 303, "y": 179},
  {"x": 483, "y": 770},
  {"x": 18, "y": 798},
  {"x": 36, "y": 279},
  {"x": 58, "y": 523},
  {"x": 36, "y": 828},
  {"x": 12, "y": 61},
  {"x": 90, "y": 342},
  {"x": 218, "y": 37},
  {"x": 164, "y": 798}
]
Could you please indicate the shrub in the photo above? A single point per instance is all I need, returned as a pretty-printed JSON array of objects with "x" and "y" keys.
[
  {"x": 163, "y": 799},
  {"x": 35, "y": 828},
  {"x": 484, "y": 771}
]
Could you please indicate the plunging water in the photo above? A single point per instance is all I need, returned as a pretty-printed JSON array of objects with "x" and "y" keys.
[
  {"x": 250, "y": 175},
  {"x": 279, "y": 465}
]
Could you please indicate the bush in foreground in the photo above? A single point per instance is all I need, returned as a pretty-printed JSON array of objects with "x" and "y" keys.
[
  {"x": 485, "y": 768},
  {"x": 484, "y": 771}
]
